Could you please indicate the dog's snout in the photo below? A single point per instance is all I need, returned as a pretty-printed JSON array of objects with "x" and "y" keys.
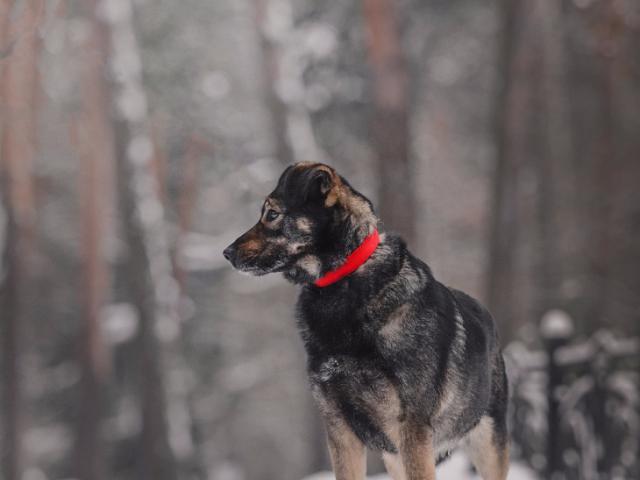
[{"x": 229, "y": 253}]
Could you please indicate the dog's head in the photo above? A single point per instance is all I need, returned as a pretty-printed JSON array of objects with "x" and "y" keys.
[{"x": 311, "y": 218}]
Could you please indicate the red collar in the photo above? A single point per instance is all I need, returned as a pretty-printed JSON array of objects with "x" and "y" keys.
[{"x": 353, "y": 261}]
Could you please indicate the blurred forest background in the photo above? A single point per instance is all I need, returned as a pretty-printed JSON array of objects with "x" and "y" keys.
[{"x": 138, "y": 138}]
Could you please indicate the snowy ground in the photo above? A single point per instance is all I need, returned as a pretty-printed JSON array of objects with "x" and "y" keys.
[{"x": 456, "y": 468}]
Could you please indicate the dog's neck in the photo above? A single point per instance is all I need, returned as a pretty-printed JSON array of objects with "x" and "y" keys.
[
  {"x": 351, "y": 235},
  {"x": 353, "y": 262}
]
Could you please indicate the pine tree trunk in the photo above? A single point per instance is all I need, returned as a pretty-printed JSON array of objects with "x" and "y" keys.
[
  {"x": 626, "y": 201},
  {"x": 153, "y": 288},
  {"x": 533, "y": 240},
  {"x": 510, "y": 137},
  {"x": 95, "y": 143},
  {"x": 20, "y": 48},
  {"x": 390, "y": 117},
  {"x": 556, "y": 193},
  {"x": 601, "y": 107}
]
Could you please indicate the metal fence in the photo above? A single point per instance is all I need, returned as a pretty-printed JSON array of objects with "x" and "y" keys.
[{"x": 575, "y": 405}]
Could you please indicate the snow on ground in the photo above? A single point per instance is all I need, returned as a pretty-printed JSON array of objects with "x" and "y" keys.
[{"x": 456, "y": 468}]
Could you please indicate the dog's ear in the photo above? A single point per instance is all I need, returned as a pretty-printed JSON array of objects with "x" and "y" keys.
[{"x": 316, "y": 183}]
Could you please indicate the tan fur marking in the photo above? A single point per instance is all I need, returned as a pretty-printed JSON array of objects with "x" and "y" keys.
[
  {"x": 295, "y": 247},
  {"x": 448, "y": 396},
  {"x": 347, "y": 452},
  {"x": 252, "y": 245},
  {"x": 392, "y": 330},
  {"x": 303, "y": 224},
  {"x": 310, "y": 264},
  {"x": 392, "y": 423},
  {"x": 273, "y": 204},
  {"x": 417, "y": 452},
  {"x": 279, "y": 240},
  {"x": 303, "y": 165},
  {"x": 393, "y": 465},
  {"x": 491, "y": 460},
  {"x": 353, "y": 205},
  {"x": 332, "y": 198},
  {"x": 390, "y": 413},
  {"x": 336, "y": 191},
  {"x": 269, "y": 225}
]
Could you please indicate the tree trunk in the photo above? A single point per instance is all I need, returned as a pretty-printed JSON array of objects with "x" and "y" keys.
[
  {"x": 153, "y": 287},
  {"x": 511, "y": 139},
  {"x": 293, "y": 131},
  {"x": 626, "y": 194},
  {"x": 604, "y": 132},
  {"x": 187, "y": 198},
  {"x": 20, "y": 47},
  {"x": 95, "y": 143},
  {"x": 271, "y": 68},
  {"x": 556, "y": 179},
  {"x": 390, "y": 117}
]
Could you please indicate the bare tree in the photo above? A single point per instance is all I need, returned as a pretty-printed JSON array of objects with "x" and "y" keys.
[
  {"x": 390, "y": 117},
  {"x": 512, "y": 214},
  {"x": 19, "y": 86},
  {"x": 561, "y": 228},
  {"x": 187, "y": 198},
  {"x": 154, "y": 290},
  {"x": 271, "y": 77},
  {"x": 94, "y": 138},
  {"x": 286, "y": 59}
]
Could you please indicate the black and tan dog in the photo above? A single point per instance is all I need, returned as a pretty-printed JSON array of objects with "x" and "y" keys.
[{"x": 398, "y": 362}]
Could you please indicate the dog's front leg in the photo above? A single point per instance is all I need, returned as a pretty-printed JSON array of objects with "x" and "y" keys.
[
  {"x": 348, "y": 455},
  {"x": 416, "y": 450}
]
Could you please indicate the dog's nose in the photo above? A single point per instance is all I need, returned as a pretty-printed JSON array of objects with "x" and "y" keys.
[{"x": 229, "y": 253}]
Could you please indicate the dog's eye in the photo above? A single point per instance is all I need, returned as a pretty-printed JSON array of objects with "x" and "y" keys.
[{"x": 271, "y": 215}]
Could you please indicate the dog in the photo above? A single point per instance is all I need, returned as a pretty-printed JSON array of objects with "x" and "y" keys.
[{"x": 398, "y": 362}]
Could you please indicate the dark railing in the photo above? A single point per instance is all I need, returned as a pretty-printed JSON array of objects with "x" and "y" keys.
[{"x": 575, "y": 404}]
